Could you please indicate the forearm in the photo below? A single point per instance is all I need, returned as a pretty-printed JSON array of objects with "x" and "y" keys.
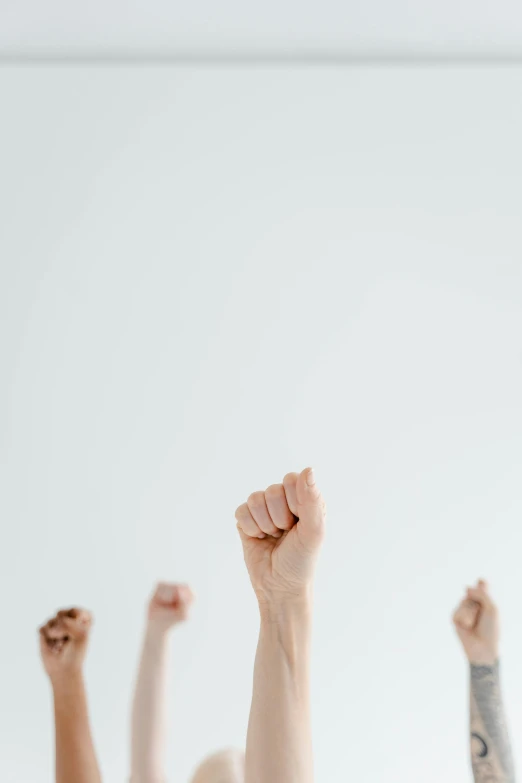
[
  {"x": 491, "y": 754},
  {"x": 148, "y": 730},
  {"x": 279, "y": 740},
  {"x": 75, "y": 755}
]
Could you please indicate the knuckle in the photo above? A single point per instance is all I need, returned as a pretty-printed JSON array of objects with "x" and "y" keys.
[
  {"x": 256, "y": 499},
  {"x": 273, "y": 491}
]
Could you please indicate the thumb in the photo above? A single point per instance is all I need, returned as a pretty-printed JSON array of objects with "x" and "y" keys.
[
  {"x": 465, "y": 616},
  {"x": 481, "y": 596},
  {"x": 310, "y": 505}
]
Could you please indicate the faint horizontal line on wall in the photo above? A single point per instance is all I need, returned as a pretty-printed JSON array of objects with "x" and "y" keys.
[{"x": 312, "y": 58}]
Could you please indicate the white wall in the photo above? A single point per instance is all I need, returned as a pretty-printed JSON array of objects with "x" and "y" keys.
[
  {"x": 209, "y": 278},
  {"x": 285, "y": 28}
]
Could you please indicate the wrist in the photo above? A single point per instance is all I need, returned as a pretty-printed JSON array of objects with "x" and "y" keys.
[
  {"x": 285, "y": 635},
  {"x": 282, "y": 610},
  {"x": 485, "y": 659},
  {"x": 67, "y": 682},
  {"x": 156, "y": 635},
  {"x": 482, "y": 654}
]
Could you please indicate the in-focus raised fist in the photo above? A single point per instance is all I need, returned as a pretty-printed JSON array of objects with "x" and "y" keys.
[
  {"x": 477, "y": 624},
  {"x": 169, "y": 605},
  {"x": 63, "y": 642},
  {"x": 282, "y": 530}
]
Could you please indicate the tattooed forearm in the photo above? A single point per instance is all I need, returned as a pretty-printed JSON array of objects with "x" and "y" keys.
[{"x": 491, "y": 756}]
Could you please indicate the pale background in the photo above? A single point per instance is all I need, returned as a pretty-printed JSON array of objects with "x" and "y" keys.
[
  {"x": 209, "y": 278},
  {"x": 272, "y": 28}
]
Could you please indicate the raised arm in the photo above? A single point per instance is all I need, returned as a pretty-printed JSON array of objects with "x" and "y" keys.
[
  {"x": 476, "y": 623},
  {"x": 168, "y": 607},
  {"x": 63, "y": 645},
  {"x": 281, "y": 530}
]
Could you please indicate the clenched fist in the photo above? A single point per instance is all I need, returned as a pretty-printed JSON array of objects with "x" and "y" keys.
[
  {"x": 169, "y": 605},
  {"x": 477, "y": 625},
  {"x": 63, "y": 642},
  {"x": 282, "y": 530}
]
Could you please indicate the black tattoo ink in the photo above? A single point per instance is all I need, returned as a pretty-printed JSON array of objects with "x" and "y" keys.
[
  {"x": 487, "y": 709},
  {"x": 483, "y": 747}
]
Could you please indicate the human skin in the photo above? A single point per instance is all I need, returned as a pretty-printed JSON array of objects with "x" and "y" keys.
[
  {"x": 281, "y": 530},
  {"x": 476, "y": 621},
  {"x": 168, "y": 607},
  {"x": 224, "y": 766},
  {"x": 63, "y": 647}
]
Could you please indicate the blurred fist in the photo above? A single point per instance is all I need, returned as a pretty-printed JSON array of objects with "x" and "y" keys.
[
  {"x": 169, "y": 605},
  {"x": 63, "y": 642},
  {"x": 477, "y": 625},
  {"x": 282, "y": 530}
]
